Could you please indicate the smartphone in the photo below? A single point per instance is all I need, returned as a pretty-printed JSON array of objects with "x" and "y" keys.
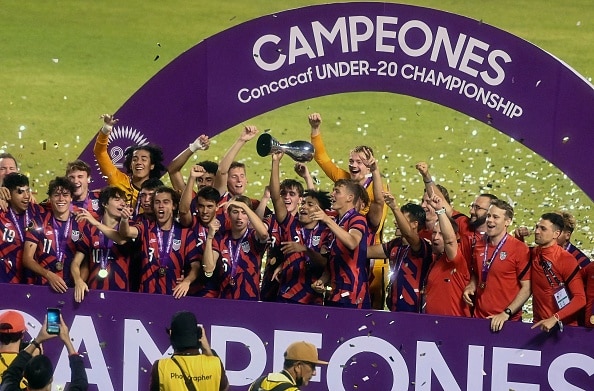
[{"x": 53, "y": 321}]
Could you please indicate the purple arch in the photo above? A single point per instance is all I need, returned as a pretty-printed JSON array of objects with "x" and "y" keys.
[{"x": 454, "y": 61}]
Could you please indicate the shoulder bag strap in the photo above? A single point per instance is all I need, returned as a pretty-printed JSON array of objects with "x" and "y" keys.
[{"x": 187, "y": 379}]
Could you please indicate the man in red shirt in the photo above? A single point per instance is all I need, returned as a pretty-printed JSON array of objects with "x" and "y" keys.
[
  {"x": 448, "y": 274},
  {"x": 558, "y": 291},
  {"x": 501, "y": 270}
]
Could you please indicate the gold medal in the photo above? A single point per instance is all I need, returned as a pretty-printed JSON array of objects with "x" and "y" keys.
[
  {"x": 162, "y": 271},
  {"x": 59, "y": 266},
  {"x": 102, "y": 273}
]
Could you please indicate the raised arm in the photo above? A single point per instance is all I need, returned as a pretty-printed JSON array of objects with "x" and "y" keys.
[
  {"x": 255, "y": 221},
  {"x": 430, "y": 187},
  {"x": 376, "y": 208},
  {"x": 447, "y": 230},
  {"x": 408, "y": 233},
  {"x": 302, "y": 170},
  {"x": 185, "y": 203},
  {"x": 220, "y": 183},
  {"x": 320, "y": 155},
  {"x": 280, "y": 209},
  {"x": 174, "y": 168},
  {"x": 107, "y": 167},
  {"x": 210, "y": 257},
  {"x": 126, "y": 230},
  {"x": 350, "y": 238}
]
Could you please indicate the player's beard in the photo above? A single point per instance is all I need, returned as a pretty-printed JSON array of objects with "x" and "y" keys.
[{"x": 478, "y": 222}]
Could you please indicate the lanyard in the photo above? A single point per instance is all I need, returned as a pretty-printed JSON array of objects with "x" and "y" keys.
[
  {"x": 367, "y": 181},
  {"x": 487, "y": 264},
  {"x": 106, "y": 245},
  {"x": 548, "y": 271},
  {"x": 61, "y": 245},
  {"x": 235, "y": 252},
  {"x": 164, "y": 252},
  {"x": 84, "y": 204},
  {"x": 17, "y": 222},
  {"x": 400, "y": 256},
  {"x": 308, "y": 235}
]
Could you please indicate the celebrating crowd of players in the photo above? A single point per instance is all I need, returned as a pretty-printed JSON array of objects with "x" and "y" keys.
[{"x": 317, "y": 247}]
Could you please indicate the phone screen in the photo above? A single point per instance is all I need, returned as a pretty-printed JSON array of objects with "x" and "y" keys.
[{"x": 53, "y": 321}]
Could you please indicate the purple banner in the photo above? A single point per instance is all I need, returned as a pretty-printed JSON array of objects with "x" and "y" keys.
[
  {"x": 290, "y": 56},
  {"x": 121, "y": 334}
]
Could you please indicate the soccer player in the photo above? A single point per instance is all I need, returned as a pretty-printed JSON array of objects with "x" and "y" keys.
[
  {"x": 557, "y": 289},
  {"x": 200, "y": 220},
  {"x": 301, "y": 264},
  {"x": 141, "y": 162},
  {"x": 348, "y": 277},
  {"x": 174, "y": 168},
  {"x": 167, "y": 247},
  {"x": 50, "y": 248},
  {"x": 107, "y": 253},
  {"x": 375, "y": 212},
  {"x": 20, "y": 216},
  {"x": 231, "y": 178},
  {"x": 500, "y": 277},
  {"x": 448, "y": 274},
  {"x": 79, "y": 173},
  {"x": 409, "y": 257},
  {"x": 240, "y": 251}
]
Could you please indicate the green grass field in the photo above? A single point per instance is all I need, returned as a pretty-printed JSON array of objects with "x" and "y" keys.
[{"x": 65, "y": 62}]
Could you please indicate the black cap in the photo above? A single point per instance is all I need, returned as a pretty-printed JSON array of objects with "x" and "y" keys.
[
  {"x": 38, "y": 372},
  {"x": 184, "y": 331}
]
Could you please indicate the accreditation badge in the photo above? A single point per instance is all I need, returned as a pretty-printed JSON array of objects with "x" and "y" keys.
[{"x": 561, "y": 297}]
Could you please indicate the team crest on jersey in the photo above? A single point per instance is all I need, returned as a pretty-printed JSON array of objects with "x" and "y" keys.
[
  {"x": 245, "y": 247},
  {"x": 75, "y": 235},
  {"x": 96, "y": 244},
  {"x": 503, "y": 255},
  {"x": 95, "y": 204},
  {"x": 176, "y": 244},
  {"x": 315, "y": 241}
]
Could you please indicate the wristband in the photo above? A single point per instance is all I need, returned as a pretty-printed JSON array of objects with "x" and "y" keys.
[
  {"x": 440, "y": 211},
  {"x": 106, "y": 129},
  {"x": 508, "y": 312},
  {"x": 429, "y": 181},
  {"x": 36, "y": 344},
  {"x": 196, "y": 145}
]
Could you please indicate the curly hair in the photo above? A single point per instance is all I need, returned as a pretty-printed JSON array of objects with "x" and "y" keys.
[{"x": 156, "y": 154}]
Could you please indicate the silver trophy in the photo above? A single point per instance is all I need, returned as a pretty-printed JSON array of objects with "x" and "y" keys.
[{"x": 300, "y": 151}]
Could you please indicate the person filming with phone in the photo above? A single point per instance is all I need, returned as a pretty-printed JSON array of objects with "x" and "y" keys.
[
  {"x": 36, "y": 369},
  {"x": 193, "y": 365}
]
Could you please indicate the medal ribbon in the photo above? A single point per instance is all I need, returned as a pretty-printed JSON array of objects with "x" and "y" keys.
[
  {"x": 367, "y": 182},
  {"x": 549, "y": 272},
  {"x": 400, "y": 255},
  {"x": 487, "y": 265},
  {"x": 235, "y": 252},
  {"x": 164, "y": 252},
  {"x": 17, "y": 222},
  {"x": 106, "y": 243},
  {"x": 61, "y": 244}
]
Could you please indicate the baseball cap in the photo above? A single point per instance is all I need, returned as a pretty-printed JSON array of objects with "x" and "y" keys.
[
  {"x": 303, "y": 351},
  {"x": 184, "y": 331},
  {"x": 38, "y": 372},
  {"x": 12, "y": 322}
]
